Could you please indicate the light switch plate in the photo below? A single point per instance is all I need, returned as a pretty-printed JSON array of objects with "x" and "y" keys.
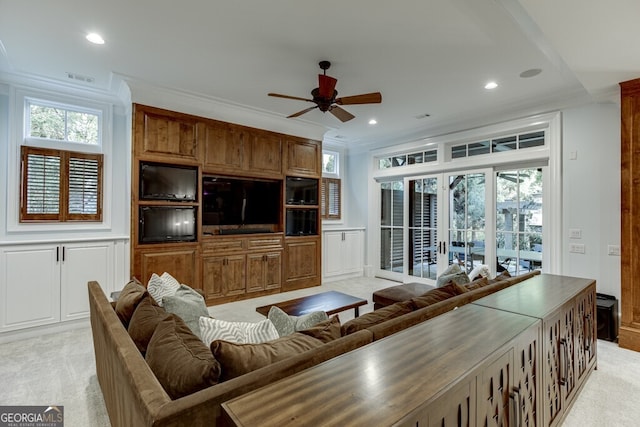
[
  {"x": 576, "y": 248},
  {"x": 575, "y": 233}
]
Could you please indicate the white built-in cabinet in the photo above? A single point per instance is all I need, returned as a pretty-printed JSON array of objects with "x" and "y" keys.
[
  {"x": 44, "y": 284},
  {"x": 343, "y": 253}
]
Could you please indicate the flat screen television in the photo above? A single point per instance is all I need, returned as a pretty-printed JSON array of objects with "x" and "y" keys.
[
  {"x": 302, "y": 222},
  {"x": 237, "y": 201},
  {"x": 160, "y": 181},
  {"x": 302, "y": 191},
  {"x": 162, "y": 224}
]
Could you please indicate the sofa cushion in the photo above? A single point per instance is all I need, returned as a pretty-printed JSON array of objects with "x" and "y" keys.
[
  {"x": 326, "y": 331},
  {"x": 287, "y": 324},
  {"x": 189, "y": 305},
  {"x": 442, "y": 293},
  {"x": 239, "y": 359},
  {"x": 377, "y": 316},
  {"x": 504, "y": 275},
  {"x": 180, "y": 360},
  {"x": 161, "y": 286},
  {"x": 478, "y": 283},
  {"x": 129, "y": 298},
  {"x": 404, "y": 292},
  {"x": 144, "y": 321},
  {"x": 237, "y": 332}
]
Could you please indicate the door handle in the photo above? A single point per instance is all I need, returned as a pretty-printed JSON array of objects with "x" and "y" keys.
[
  {"x": 564, "y": 364},
  {"x": 517, "y": 410}
]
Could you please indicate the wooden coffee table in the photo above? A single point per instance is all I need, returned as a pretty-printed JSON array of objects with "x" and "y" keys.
[{"x": 331, "y": 302}]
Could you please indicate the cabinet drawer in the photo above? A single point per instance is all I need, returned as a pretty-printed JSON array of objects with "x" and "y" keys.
[
  {"x": 224, "y": 245},
  {"x": 274, "y": 242}
]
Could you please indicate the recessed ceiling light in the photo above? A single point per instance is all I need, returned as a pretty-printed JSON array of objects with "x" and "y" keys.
[
  {"x": 95, "y": 38},
  {"x": 530, "y": 73},
  {"x": 491, "y": 85},
  {"x": 373, "y": 122}
]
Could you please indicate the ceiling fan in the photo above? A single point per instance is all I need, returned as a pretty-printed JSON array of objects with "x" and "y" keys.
[{"x": 325, "y": 97}]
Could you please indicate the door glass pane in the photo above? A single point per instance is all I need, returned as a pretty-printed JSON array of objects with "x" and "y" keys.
[
  {"x": 467, "y": 219},
  {"x": 519, "y": 220},
  {"x": 391, "y": 226},
  {"x": 423, "y": 227}
]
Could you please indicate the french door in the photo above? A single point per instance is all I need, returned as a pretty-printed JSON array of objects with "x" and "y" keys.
[{"x": 442, "y": 218}]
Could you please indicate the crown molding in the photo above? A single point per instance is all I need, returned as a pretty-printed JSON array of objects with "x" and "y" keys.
[{"x": 143, "y": 92}]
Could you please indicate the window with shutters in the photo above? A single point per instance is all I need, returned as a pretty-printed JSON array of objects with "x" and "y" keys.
[
  {"x": 330, "y": 193},
  {"x": 60, "y": 185}
]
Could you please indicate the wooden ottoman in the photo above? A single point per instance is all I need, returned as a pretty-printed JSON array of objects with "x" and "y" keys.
[{"x": 394, "y": 294}]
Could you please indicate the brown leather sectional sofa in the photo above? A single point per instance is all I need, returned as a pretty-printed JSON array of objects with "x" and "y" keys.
[{"x": 134, "y": 396}]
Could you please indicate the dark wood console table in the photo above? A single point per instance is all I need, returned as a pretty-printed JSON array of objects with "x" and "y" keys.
[
  {"x": 331, "y": 302},
  {"x": 404, "y": 379},
  {"x": 523, "y": 352}
]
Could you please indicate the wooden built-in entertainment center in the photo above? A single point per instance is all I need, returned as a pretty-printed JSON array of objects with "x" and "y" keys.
[{"x": 232, "y": 240}]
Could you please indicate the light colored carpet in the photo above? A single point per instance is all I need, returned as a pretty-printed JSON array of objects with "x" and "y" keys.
[{"x": 59, "y": 369}]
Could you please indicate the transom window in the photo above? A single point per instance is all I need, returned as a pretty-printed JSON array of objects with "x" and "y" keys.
[{"x": 59, "y": 122}]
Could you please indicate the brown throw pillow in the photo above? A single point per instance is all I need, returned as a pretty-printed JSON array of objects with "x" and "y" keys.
[
  {"x": 378, "y": 316},
  {"x": 442, "y": 293},
  {"x": 239, "y": 359},
  {"x": 477, "y": 284},
  {"x": 129, "y": 298},
  {"x": 326, "y": 331},
  {"x": 144, "y": 321},
  {"x": 180, "y": 361},
  {"x": 500, "y": 277}
]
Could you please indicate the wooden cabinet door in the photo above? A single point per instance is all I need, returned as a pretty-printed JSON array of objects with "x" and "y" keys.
[
  {"x": 264, "y": 271},
  {"x": 262, "y": 153},
  {"x": 255, "y": 272},
  {"x": 223, "y": 276},
  {"x": 559, "y": 381},
  {"x": 304, "y": 158},
  {"x": 164, "y": 133},
  {"x": 273, "y": 270},
  {"x": 222, "y": 147},
  {"x": 213, "y": 276},
  {"x": 234, "y": 275},
  {"x": 495, "y": 383},
  {"x": 585, "y": 332},
  {"x": 302, "y": 263},
  {"x": 455, "y": 408},
  {"x": 181, "y": 263},
  {"x": 527, "y": 375}
]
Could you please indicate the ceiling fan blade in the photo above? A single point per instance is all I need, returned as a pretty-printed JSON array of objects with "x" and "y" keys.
[
  {"x": 366, "y": 98},
  {"x": 289, "y": 97},
  {"x": 299, "y": 113},
  {"x": 326, "y": 86},
  {"x": 341, "y": 114}
]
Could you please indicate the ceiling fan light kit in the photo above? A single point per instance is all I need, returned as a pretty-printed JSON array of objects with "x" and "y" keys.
[{"x": 325, "y": 96}]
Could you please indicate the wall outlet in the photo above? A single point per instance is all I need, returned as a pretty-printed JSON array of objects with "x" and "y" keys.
[
  {"x": 575, "y": 233},
  {"x": 613, "y": 250},
  {"x": 576, "y": 248}
]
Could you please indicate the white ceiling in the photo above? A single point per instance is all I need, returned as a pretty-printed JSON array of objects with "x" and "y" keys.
[{"x": 425, "y": 57}]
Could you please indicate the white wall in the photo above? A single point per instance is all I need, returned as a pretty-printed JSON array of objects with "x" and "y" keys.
[{"x": 591, "y": 193}]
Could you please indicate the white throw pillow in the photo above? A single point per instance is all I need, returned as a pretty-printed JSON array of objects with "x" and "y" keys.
[
  {"x": 161, "y": 286},
  {"x": 237, "y": 332},
  {"x": 481, "y": 270}
]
